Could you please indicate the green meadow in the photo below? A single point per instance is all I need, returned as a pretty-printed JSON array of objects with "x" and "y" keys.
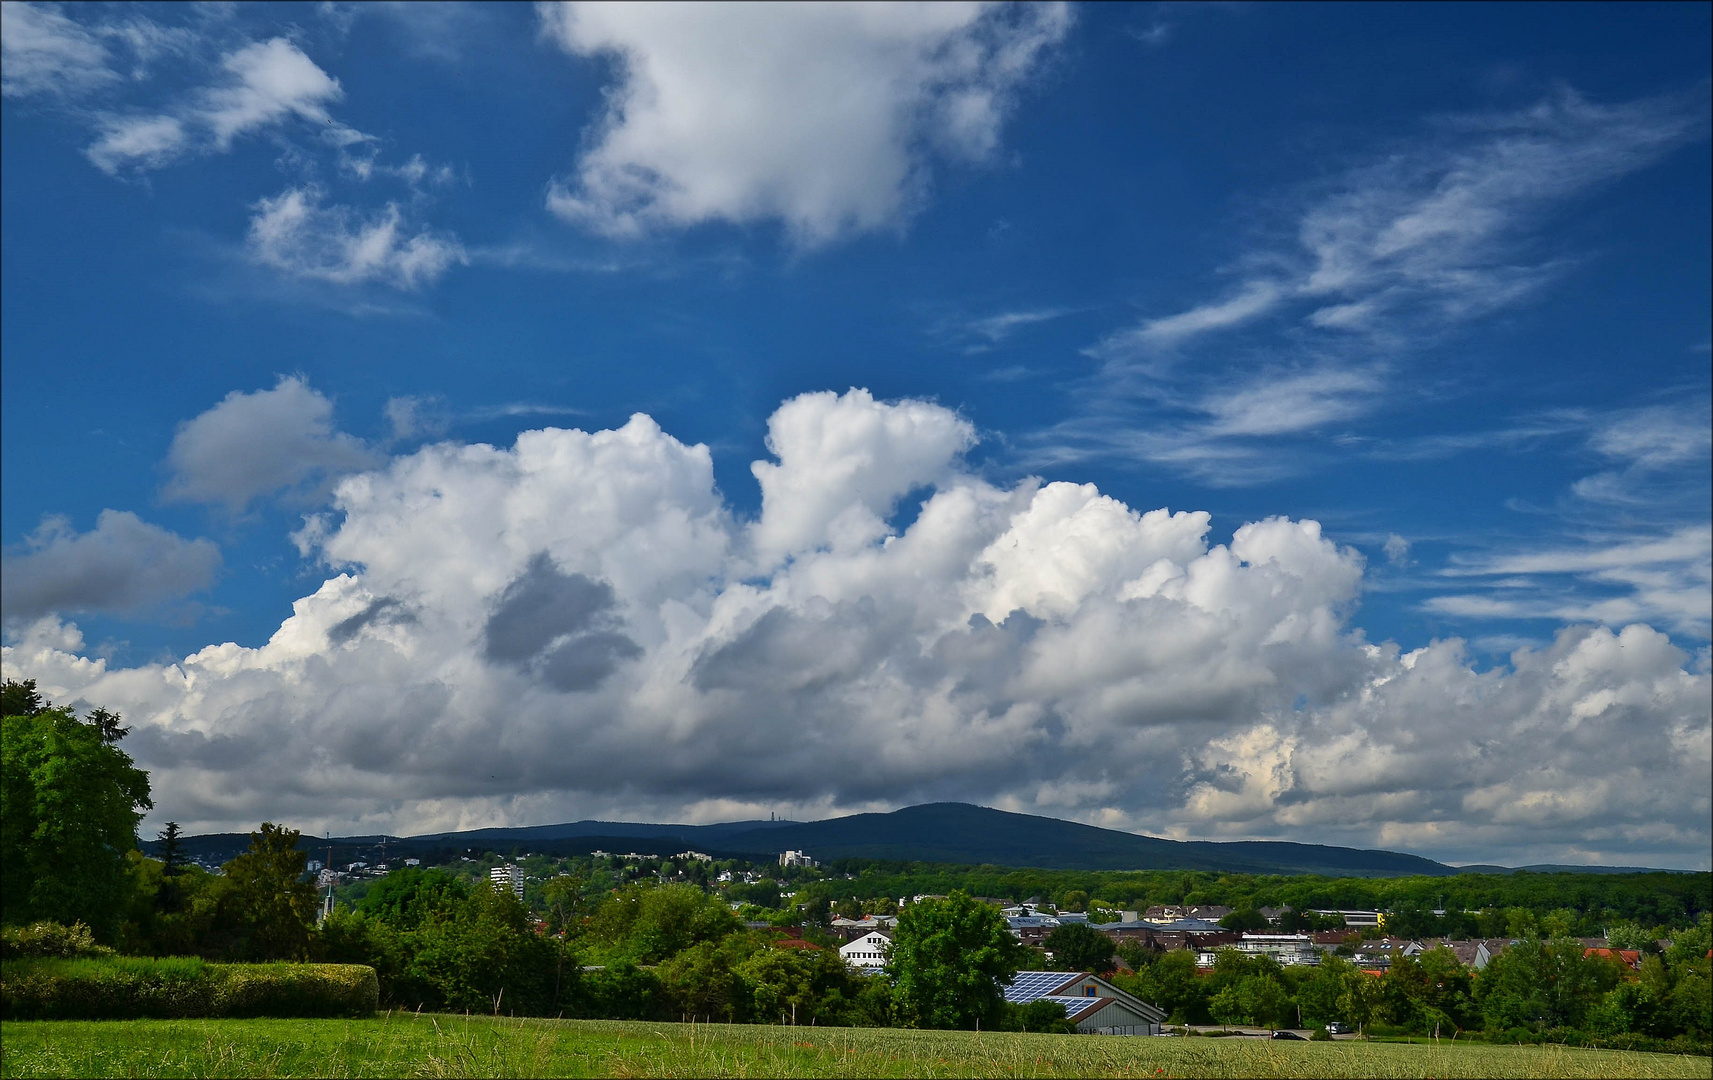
[{"x": 404, "y": 1044}]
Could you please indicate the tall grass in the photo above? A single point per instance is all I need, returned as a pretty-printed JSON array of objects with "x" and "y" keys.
[{"x": 401, "y": 1044}]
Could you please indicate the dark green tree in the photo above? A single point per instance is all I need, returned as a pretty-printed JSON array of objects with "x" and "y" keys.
[
  {"x": 486, "y": 956},
  {"x": 800, "y": 986},
  {"x": 1039, "y": 1016},
  {"x": 1245, "y": 919},
  {"x": 107, "y": 726},
  {"x": 1079, "y": 947},
  {"x": 701, "y": 982},
  {"x": 72, "y": 802},
  {"x": 172, "y": 850},
  {"x": 22, "y": 699},
  {"x": 1431, "y": 992},
  {"x": 1173, "y": 983},
  {"x": 274, "y": 906},
  {"x": 566, "y": 902},
  {"x": 671, "y": 918},
  {"x": 408, "y": 897},
  {"x": 167, "y": 894},
  {"x": 950, "y": 960}
]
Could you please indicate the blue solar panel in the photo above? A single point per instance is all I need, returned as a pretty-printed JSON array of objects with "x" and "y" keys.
[
  {"x": 1073, "y": 1005},
  {"x": 1031, "y": 985}
]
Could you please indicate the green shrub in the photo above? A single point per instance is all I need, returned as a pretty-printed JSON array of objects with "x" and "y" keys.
[
  {"x": 1320, "y": 1034},
  {"x": 125, "y": 987},
  {"x": 49, "y": 939}
]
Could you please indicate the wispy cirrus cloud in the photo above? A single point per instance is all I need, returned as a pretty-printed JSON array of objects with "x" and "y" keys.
[
  {"x": 1630, "y": 540},
  {"x": 295, "y": 233},
  {"x": 43, "y": 53},
  {"x": 1608, "y": 578},
  {"x": 1441, "y": 231},
  {"x": 1318, "y": 330},
  {"x": 261, "y": 85}
]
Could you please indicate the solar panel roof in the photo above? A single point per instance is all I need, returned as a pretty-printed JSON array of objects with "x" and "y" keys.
[
  {"x": 1030, "y": 985},
  {"x": 1073, "y": 1005}
]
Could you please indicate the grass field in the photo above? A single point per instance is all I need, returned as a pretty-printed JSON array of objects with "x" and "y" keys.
[{"x": 406, "y": 1045}]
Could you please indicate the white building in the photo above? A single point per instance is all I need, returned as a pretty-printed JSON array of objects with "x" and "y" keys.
[
  {"x": 695, "y": 856},
  {"x": 1094, "y": 1005},
  {"x": 867, "y": 922},
  {"x": 796, "y": 858},
  {"x": 867, "y": 952},
  {"x": 1355, "y": 918},
  {"x": 507, "y": 877},
  {"x": 1285, "y": 948}
]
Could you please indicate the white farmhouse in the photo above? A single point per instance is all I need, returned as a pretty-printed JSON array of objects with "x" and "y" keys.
[{"x": 868, "y": 952}]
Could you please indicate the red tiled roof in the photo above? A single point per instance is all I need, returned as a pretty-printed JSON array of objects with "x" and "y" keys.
[{"x": 1628, "y": 957}]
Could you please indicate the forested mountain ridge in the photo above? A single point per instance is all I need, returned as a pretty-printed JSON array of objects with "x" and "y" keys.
[{"x": 934, "y": 832}]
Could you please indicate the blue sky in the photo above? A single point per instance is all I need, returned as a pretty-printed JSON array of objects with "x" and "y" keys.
[{"x": 1432, "y": 277}]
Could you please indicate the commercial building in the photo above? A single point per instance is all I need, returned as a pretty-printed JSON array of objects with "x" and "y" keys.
[
  {"x": 1287, "y": 949},
  {"x": 507, "y": 877}
]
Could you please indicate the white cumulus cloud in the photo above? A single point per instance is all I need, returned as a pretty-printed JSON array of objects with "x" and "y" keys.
[
  {"x": 579, "y": 625},
  {"x": 821, "y": 116}
]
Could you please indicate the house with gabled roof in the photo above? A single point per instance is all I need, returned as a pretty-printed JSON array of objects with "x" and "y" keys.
[
  {"x": 867, "y": 953},
  {"x": 1094, "y": 1005}
]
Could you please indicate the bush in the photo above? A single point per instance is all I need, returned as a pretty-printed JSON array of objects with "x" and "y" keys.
[
  {"x": 1037, "y": 1016},
  {"x": 1320, "y": 1034},
  {"x": 49, "y": 939},
  {"x": 128, "y": 987}
]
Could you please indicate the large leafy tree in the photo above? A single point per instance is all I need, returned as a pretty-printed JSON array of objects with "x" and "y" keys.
[
  {"x": 274, "y": 904},
  {"x": 1079, "y": 947},
  {"x": 484, "y": 954},
  {"x": 72, "y": 802},
  {"x": 950, "y": 959},
  {"x": 407, "y": 898},
  {"x": 1172, "y": 982},
  {"x": 701, "y": 981}
]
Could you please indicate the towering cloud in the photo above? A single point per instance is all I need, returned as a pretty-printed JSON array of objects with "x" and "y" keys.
[{"x": 578, "y": 624}]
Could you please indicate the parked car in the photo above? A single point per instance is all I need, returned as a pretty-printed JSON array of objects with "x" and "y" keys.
[
  {"x": 1336, "y": 1028},
  {"x": 1290, "y": 1035}
]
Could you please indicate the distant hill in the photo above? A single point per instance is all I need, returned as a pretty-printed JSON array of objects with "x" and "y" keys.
[
  {"x": 961, "y": 833},
  {"x": 1564, "y": 868},
  {"x": 935, "y": 832}
]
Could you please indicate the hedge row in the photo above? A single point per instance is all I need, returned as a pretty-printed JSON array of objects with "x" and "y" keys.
[{"x": 126, "y": 987}]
